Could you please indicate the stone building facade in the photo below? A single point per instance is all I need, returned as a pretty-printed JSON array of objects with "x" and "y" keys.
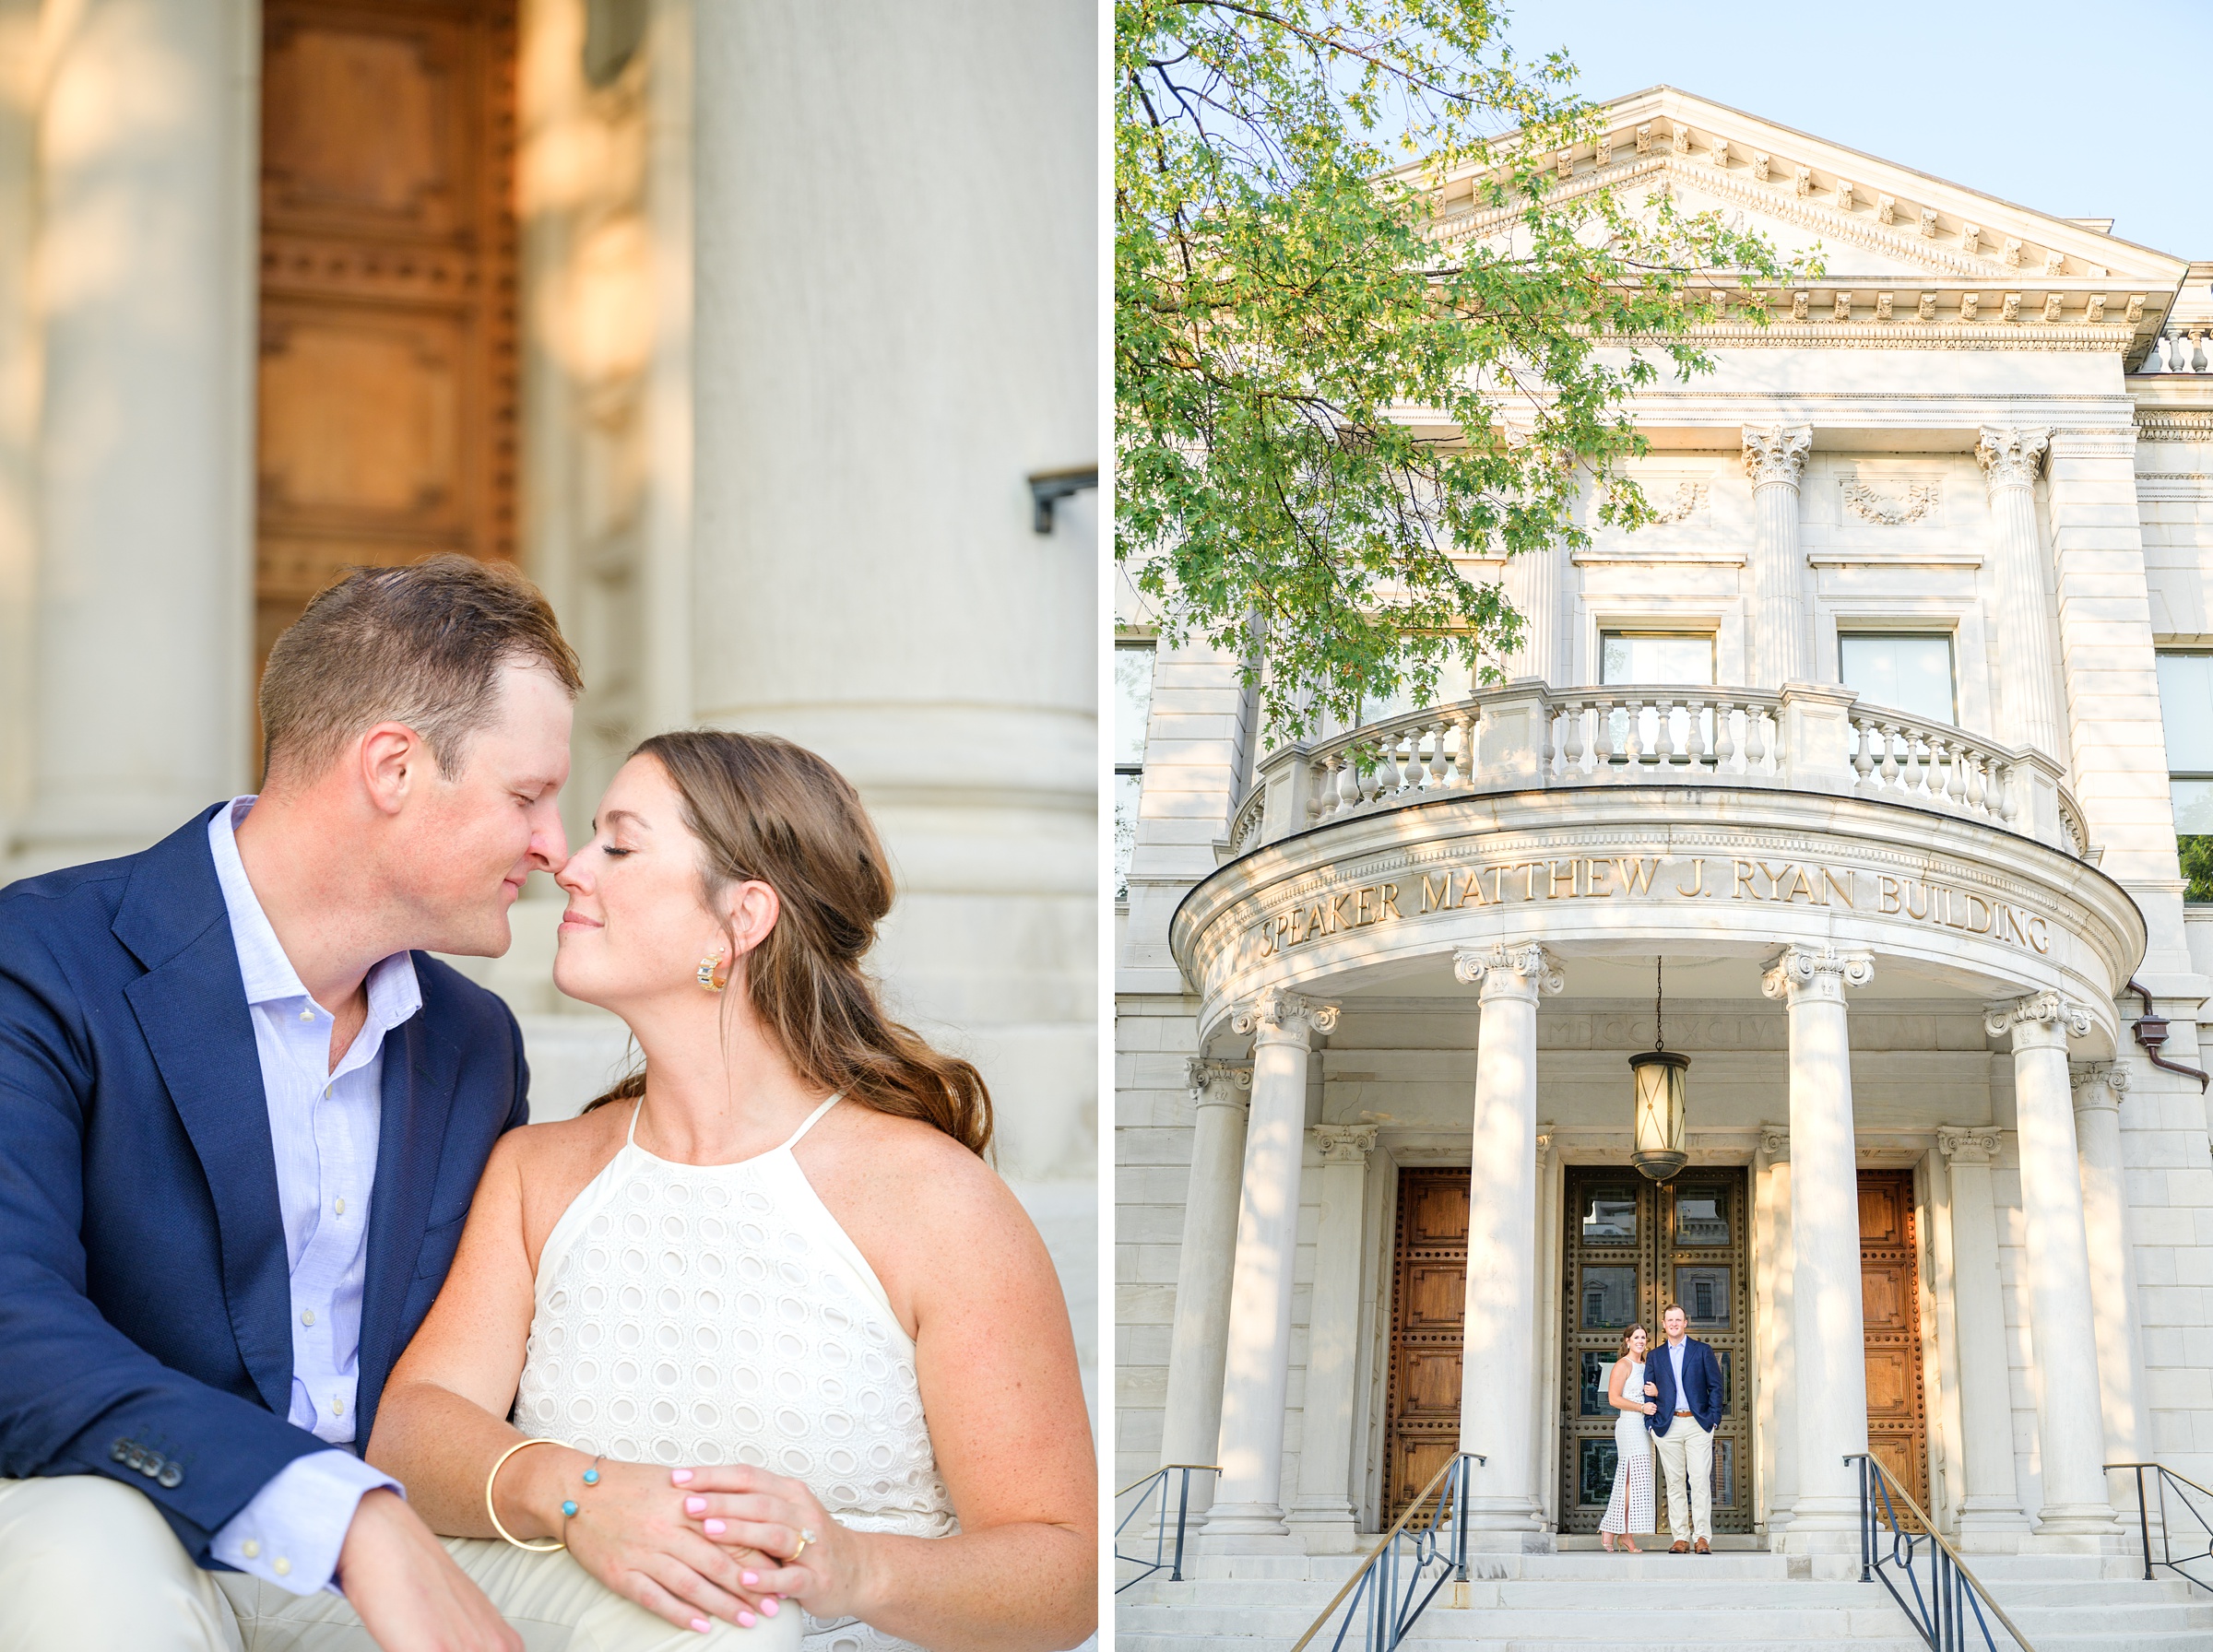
[
  {"x": 741, "y": 327},
  {"x": 1858, "y": 779}
]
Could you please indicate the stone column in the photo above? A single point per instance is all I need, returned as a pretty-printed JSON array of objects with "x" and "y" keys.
[
  {"x": 1779, "y": 1385},
  {"x": 1775, "y": 460},
  {"x": 1323, "y": 1514},
  {"x": 1831, "y": 1334},
  {"x": 1498, "y": 1396},
  {"x": 2098, "y": 1091},
  {"x": 1991, "y": 1505},
  {"x": 1191, "y": 1418},
  {"x": 872, "y": 382},
  {"x": 2062, "y": 1323},
  {"x": 1534, "y": 585},
  {"x": 146, "y": 254},
  {"x": 1256, "y": 1365},
  {"x": 2011, "y": 458}
]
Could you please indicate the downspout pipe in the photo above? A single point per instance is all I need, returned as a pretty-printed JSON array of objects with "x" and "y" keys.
[{"x": 2151, "y": 1033}]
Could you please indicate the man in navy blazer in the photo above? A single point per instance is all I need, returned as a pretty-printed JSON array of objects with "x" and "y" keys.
[
  {"x": 1685, "y": 1376},
  {"x": 242, "y": 1114}
]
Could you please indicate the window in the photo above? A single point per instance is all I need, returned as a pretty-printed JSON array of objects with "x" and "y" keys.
[
  {"x": 2186, "y": 709},
  {"x": 1132, "y": 710},
  {"x": 1657, "y": 659},
  {"x": 1908, "y": 671}
]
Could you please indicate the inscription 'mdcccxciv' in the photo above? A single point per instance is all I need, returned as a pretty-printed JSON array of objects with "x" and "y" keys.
[{"x": 1652, "y": 877}]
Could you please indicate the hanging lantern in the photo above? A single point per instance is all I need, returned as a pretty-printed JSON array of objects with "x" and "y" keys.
[{"x": 1662, "y": 1081}]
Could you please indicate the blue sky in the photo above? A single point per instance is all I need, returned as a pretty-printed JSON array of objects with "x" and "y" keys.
[{"x": 2081, "y": 109}]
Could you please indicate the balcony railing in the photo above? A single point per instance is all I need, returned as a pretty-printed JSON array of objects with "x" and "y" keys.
[{"x": 1527, "y": 737}]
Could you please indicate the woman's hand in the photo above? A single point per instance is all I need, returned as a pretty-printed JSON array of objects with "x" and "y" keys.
[
  {"x": 631, "y": 1533},
  {"x": 1648, "y": 1408},
  {"x": 772, "y": 1515}
]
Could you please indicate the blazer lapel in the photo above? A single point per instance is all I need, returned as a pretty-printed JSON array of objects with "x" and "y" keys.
[
  {"x": 411, "y": 1131},
  {"x": 191, "y": 1006}
]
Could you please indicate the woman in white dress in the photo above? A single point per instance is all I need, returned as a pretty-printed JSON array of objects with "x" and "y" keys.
[
  {"x": 1630, "y": 1507},
  {"x": 782, "y": 1335}
]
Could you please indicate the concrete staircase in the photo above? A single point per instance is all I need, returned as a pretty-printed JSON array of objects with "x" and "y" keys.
[{"x": 1751, "y": 1601}]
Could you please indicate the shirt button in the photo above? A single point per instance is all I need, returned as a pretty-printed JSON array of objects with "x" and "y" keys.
[
  {"x": 337, "y": 1405},
  {"x": 338, "y": 1207},
  {"x": 250, "y": 1549},
  {"x": 308, "y": 1014},
  {"x": 307, "y": 1316},
  {"x": 281, "y": 1566}
]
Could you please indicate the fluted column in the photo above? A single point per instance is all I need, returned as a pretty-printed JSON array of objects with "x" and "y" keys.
[
  {"x": 1775, "y": 460},
  {"x": 1497, "y": 1393},
  {"x": 2011, "y": 458},
  {"x": 2062, "y": 1318},
  {"x": 142, "y": 679},
  {"x": 1830, "y": 1329},
  {"x": 2098, "y": 1091},
  {"x": 1534, "y": 585},
  {"x": 1779, "y": 1386},
  {"x": 1992, "y": 1502},
  {"x": 1257, "y": 1363},
  {"x": 1324, "y": 1509},
  {"x": 1191, "y": 1419}
]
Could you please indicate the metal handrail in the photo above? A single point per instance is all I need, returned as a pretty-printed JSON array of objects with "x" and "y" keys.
[
  {"x": 1938, "y": 1620},
  {"x": 1387, "y": 1628},
  {"x": 1173, "y": 1566},
  {"x": 2167, "y": 1525}
]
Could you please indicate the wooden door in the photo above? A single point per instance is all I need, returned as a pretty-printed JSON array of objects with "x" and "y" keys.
[
  {"x": 387, "y": 357},
  {"x": 1891, "y": 1304},
  {"x": 1427, "y": 1331},
  {"x": 1631, "y": 1248}
]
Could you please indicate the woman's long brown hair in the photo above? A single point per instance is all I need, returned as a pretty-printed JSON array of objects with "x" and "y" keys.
[{"x": 767, "y": 810}]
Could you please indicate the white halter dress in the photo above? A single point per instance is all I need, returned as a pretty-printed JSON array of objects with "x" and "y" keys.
[{"x": 718, "y": 1313}]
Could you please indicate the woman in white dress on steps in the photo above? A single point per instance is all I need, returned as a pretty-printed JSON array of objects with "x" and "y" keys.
[
  {"x": 1630, "y": 1508},
  {"x": 786, "y": 1342}
]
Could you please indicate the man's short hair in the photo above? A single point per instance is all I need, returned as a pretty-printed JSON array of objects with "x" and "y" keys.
[
  {"x": 1675, "y": 1307},
  {"x": 422, "y": 645}
]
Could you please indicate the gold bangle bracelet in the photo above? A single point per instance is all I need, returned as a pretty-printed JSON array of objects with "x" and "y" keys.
[{"x": 545, "y": 1548}]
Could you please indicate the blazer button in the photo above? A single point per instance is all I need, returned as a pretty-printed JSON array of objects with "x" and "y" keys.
[
  {"x": 152, "y": 1464},
  {"x": 120, "y": 1451},
  {"x": 171, "y": 1477}
]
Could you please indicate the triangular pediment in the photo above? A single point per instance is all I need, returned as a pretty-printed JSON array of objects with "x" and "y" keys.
[{"x": 1873, "y": 222}]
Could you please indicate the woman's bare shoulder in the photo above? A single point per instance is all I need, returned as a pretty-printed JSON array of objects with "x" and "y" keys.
[
  {"x": 920, "y": 1171},
  {"x": 550, "y": 1163}
]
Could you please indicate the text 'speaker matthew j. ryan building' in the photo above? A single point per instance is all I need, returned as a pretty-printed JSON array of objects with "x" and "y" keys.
[{"x": 1877, "y": 747}]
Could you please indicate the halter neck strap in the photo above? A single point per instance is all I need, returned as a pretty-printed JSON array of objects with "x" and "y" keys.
[
  {"x": 631, "y": 1140},
  {"x": 808, "y": 1123}
]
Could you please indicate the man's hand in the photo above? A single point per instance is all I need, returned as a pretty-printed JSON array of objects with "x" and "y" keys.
[{"x": 410, "y": 1595}]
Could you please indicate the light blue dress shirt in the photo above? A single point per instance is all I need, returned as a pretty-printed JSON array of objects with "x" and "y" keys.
[{"x": 324, "y": 1125}]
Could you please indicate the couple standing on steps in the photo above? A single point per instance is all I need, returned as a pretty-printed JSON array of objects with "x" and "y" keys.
[{"x": 1670, "y": 1403}]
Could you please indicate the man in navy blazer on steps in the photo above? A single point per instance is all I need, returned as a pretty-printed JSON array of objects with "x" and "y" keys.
[
  {"x": 1685, "y": 1377},
  {"x": 242, "y": 1114}
]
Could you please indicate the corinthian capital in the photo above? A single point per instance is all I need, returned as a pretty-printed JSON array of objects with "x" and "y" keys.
[
  {"x": 1776, "y": 452},
  {"x": 1516, "y": 967},
  {"x": 2038, "y": 1009},
  {"x": 2009, "y": 454},
  {"x": 1280, "y": 1017},
  {"x": 1816, "y": 972},
  {"x": 1225, "y": 1082},
  {"x": 2098, "y": 1083}
]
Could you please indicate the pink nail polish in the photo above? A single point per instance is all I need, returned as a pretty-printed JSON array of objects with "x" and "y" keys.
[
  {"x": 716, "y": 1528},
  {"x": 746, "y": 1619},
  {"x": 682, "y": 1476},
  {"x": 769, "y": 1606},
  {"x": 751, "y": 1578},
  {"x": 695, "y": 1506},
  {"x": 702, "y": 1624}
]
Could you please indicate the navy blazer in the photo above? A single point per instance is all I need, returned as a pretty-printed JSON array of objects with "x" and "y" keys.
[
  {"x": 146, "y": 1324},
  {"x": 1702, "y": 1382}
]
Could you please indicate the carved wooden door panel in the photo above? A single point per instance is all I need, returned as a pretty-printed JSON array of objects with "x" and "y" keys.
[
  {"x": 1891, "y": 1304},
  {"x": 1427, "y": 1331},
  {"x": 387, "y": 357}
]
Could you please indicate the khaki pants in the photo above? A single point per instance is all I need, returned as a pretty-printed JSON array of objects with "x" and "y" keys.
[
  {"x": 87, "y": 1565},
  {"x": 1686, "y": 1464}
]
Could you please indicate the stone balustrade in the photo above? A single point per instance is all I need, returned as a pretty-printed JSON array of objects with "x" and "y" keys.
[
  {"x": 1527, "y": 737},
  {"x": 2180, "y": 349}
]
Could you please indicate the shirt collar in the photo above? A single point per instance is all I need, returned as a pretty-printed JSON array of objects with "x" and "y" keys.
[{"x": 394, "y": 992}]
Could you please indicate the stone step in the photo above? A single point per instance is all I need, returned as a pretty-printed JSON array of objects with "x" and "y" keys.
[{"x": 1665, "y": 1590}]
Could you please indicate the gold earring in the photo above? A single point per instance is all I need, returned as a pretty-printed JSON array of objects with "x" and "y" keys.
[{"x": 713, "y": 975}]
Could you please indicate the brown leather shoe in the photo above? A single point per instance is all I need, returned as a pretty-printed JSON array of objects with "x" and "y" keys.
[
  {"x": 1703, "y": 1547},
  {"x": 1679, "y": 1547}
]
